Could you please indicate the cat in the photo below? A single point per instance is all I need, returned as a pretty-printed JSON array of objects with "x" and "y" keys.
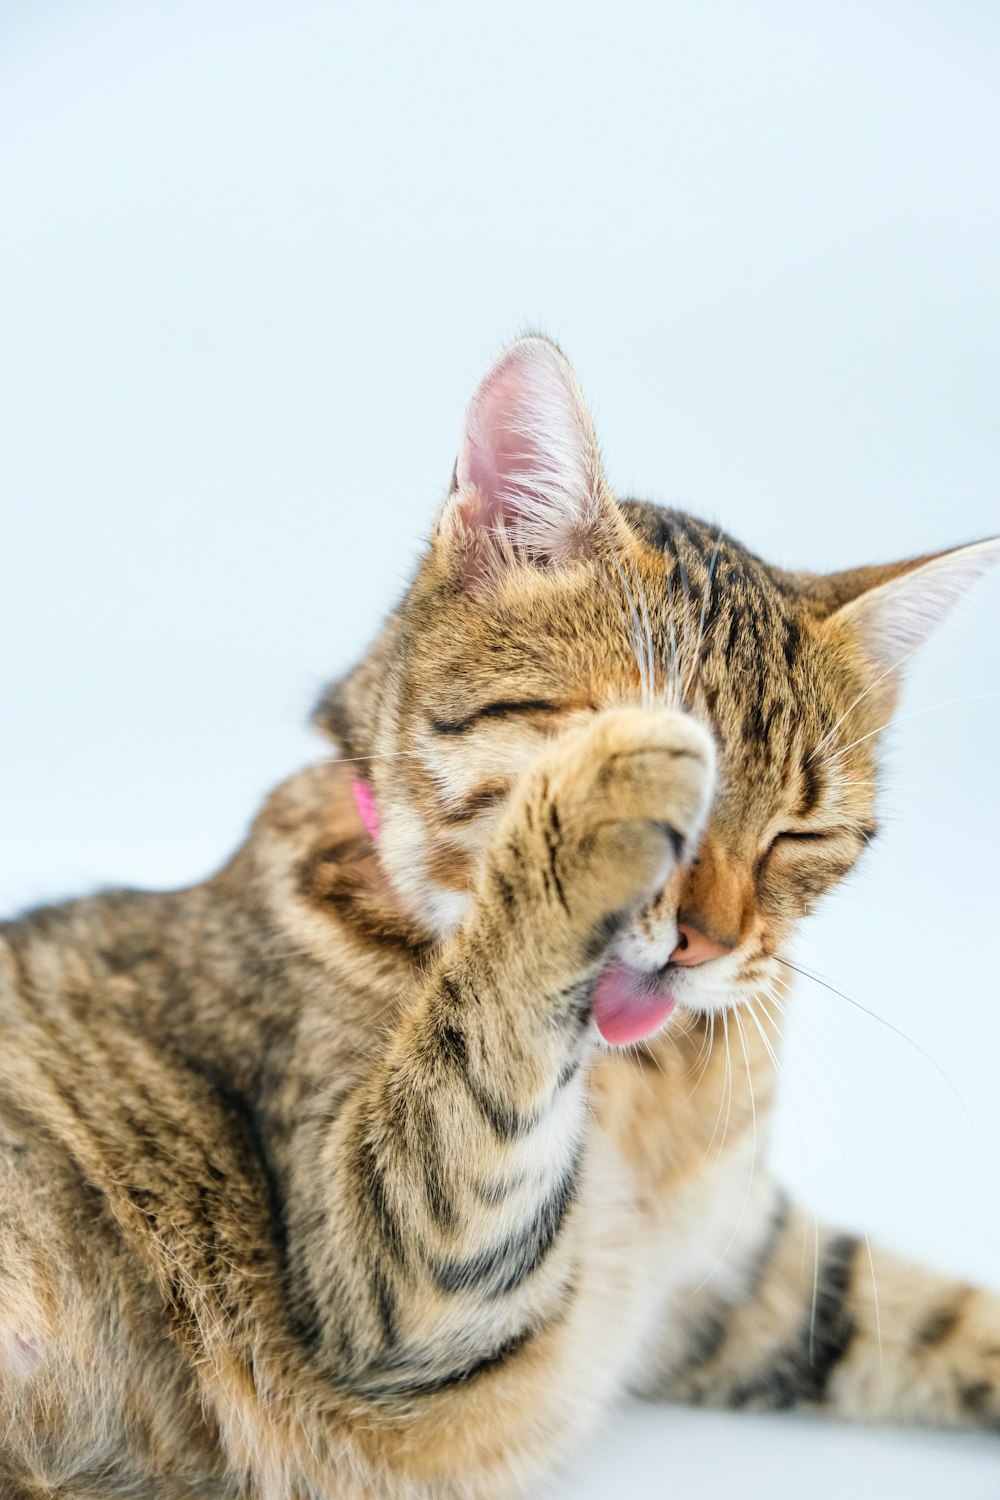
[{"x": 382, "y": 1162}]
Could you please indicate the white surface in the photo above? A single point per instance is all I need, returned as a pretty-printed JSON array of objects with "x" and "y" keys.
[
  {"x": 252, "y": 259},
  {"x": 675, "y": 1454}
]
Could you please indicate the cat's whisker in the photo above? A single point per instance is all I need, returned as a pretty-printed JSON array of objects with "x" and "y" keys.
[
  {"x": 676, "y": 605},
  {"x": 706, "y": 593},
  {"x": 703, "y": 1056},
  {"x": 635, "y": 635},
  {"x": 814, "y": 1302},
  {"x": 684, "y": 670},
  {"x": 768, "y": 1048},
  {"x": 723, "y": 1094},
  {"x": 861, "y": 1215},
  {"x": 889, "y": 787},
  {"x": 707, "y": 1042},
  {"x": 753, "y": 1101},
  {"x": 640, "y": 641},
  {"x": 354, "y": 760},
  {"x": 825, "y": 984},
  {"x": 889, "y": 671},
  {"x": 916, "y": 713},
  {"x": 782, "y": 1011},
  {"x": 759, "y": 1000},
  {"x": 588, "y": 1105},
  {"x": 729, "y": 1087},
  {"x": 648, "y": 638},
  {"x": 753, "y": 1161},
  {"x": 673, "y": 695}
]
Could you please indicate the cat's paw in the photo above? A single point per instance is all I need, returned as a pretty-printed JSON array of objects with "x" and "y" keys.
[{"x": 609, "y": 811}]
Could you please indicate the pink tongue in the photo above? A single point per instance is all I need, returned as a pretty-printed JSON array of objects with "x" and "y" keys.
[{"x": 629, "y": 1005}]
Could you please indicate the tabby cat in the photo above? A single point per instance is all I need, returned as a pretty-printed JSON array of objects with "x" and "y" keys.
[{"x": 382, "y": 1162}]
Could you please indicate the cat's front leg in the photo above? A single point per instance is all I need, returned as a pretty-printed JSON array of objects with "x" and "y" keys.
[
  {"x": 820, "y": 1321},
  {"x": 450, "y": 1179}
]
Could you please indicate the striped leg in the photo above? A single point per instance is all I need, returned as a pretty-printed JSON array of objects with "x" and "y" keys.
[
  {"x": 446, "y": 1185},
  {"x": 819, "y": 1322}
]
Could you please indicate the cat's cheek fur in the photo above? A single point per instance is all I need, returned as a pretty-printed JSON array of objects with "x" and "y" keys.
[{"x": 406, "y": 851}]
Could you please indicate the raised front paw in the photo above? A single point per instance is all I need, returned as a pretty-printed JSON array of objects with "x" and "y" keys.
[{"x": 603, "y": 818}]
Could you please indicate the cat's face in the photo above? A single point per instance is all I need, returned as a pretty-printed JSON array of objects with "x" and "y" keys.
[{"x": 543, "y": 600}]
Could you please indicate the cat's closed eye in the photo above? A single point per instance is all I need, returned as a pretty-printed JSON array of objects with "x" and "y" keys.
[
  {"x": 499, "y": 708},
  {"x": 821, "y": 835},
  {"x": 804, "y": 862}
]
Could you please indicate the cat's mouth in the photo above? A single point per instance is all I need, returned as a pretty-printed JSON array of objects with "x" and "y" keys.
[{"x": 630, "y": 1004}]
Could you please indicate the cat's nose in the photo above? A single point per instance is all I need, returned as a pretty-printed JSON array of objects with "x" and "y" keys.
[{"x": 696, "y": 947}]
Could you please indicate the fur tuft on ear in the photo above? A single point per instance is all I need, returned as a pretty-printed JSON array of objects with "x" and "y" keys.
[
  {"x": 528, "y": 481},
  {"x": 899, "y": 606}
]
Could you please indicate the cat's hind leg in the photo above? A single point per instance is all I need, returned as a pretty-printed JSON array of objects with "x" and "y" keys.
[
  {"x": 822, "y": 1322},
  {"x": 89, "y": 1405}
]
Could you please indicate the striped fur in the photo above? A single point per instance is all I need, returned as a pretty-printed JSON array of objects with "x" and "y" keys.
[{"x": 316, "y": 1180}]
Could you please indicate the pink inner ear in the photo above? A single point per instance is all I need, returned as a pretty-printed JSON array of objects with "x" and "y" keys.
[
  {"x": 364, "y": 801},
  {"x": 527, "y": 460},
  {"x": 498, "y": 451}
]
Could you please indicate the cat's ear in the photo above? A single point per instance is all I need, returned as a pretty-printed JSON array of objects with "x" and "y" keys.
[
  {"x": 892, "y": 610},
  {"x": 528, "y": 482}
]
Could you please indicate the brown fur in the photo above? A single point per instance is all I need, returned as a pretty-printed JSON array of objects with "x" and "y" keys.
[{"x": 313, "y": 1182}]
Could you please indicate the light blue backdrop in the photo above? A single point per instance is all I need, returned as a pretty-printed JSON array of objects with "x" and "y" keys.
[{"x": 252, "y": 260}]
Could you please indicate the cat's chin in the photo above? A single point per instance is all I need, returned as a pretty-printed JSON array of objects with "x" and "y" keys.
[{"x": 629, "y": 1005}]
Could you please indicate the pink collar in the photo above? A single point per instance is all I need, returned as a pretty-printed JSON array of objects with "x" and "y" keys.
[{"x": 364, "y": 801}]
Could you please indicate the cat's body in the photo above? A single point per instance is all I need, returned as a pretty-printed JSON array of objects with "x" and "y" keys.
[{"x": 314, "y": 1181}]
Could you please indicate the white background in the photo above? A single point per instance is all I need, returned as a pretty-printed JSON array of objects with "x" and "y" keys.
[{"x": 252, "y": 260}]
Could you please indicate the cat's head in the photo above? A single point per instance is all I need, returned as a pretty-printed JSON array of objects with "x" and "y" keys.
[{"x": 542, "y": 600}]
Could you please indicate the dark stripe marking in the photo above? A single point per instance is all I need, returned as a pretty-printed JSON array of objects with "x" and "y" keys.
[
  {"x": 812, "y": 787},
  {"x": 503, "y": 1119},
  {"x": 791, "y": 641},
  {"x": 568, "y": 1072},
  {"x": 428, "y": 1385},
  {"x": 705, "y": 1340},
  {"x": 373, "y": 1181},
  {"x": 975, "y": 1397},
  {"x": 451, "y": 1039},
  {"x": 438, "y": 1201},
  {"x": 506, "y": 892},
  {"x": 601, "y": 936},
  {"x": 673, "y": 836},
  {"x": 304, "y": 1316},
  {"x": 476, "y": 802},
  {"x": 801, "y": 1372},
  {"x": 780, "y": 1215},
  {"x": 504, "y": 1267},
  {"x": 552, "y": 842},
  {"x": 385, "y": 1306},
  {"x": 502, "y": 709},
  {"x": 938, "y": 1327},
  {"x": 709, "y": 1332}
]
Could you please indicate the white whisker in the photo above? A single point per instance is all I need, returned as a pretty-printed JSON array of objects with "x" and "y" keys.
[
  {"x": 825, "y": 984},
  {"x": 753, "y": 1161},
  {"x": 869, "y": 689},
  {"x": 902, "y": 718},
  {"x": 636, "y": 634},
  {"x": 701, "y": 622}
]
